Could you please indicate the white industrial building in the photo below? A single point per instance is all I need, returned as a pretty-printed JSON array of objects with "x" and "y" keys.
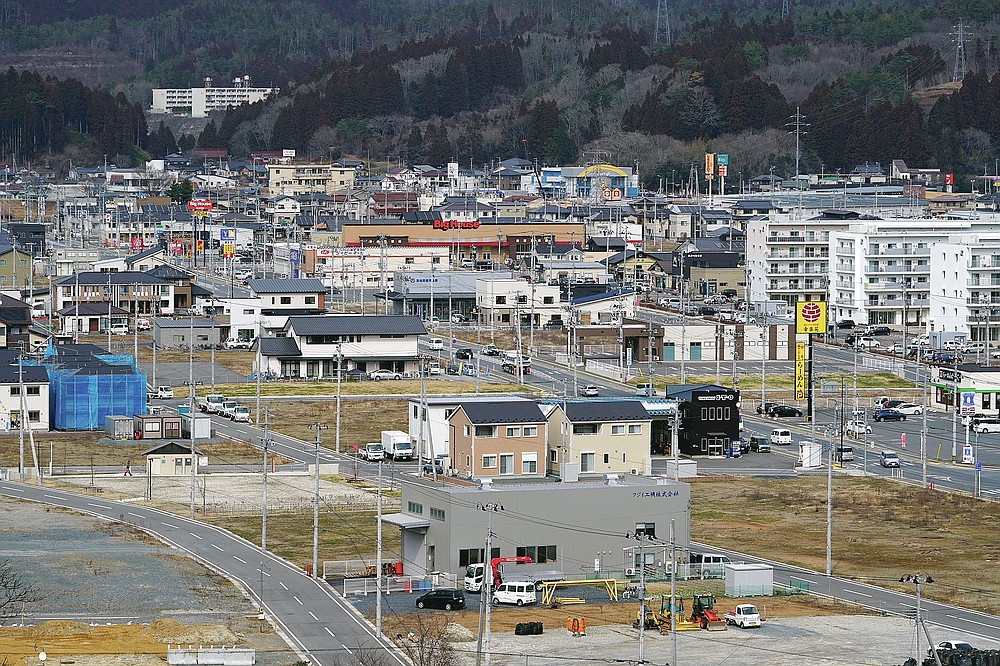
[{"x": 203, "y": 100}]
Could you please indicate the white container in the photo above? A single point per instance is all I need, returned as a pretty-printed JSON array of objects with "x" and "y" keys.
[{"x": 810, "y": 454}]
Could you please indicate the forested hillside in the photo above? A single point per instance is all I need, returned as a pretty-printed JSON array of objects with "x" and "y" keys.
[{"x": 557, "y": 82}]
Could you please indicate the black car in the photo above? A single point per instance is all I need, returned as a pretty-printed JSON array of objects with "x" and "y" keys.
[
  {"x": 878, "y": 330},
  {"x": 453, "y": 369},
  {"x": 443, "y": 599},
  {"x": 464, "y": 354},
  {"x": 706, "y": 311},
  {"x": 765, "y": 407},
  {"x": 553, "y": 325},
  {"x": 851, "y": 339},
  {"x": 845, "y": 323},
  {"x": 779, "y": 411},
  {"x": 759, "y": 444},
  {"x": 945, "y": 358},
  {"x": 889, "y": 415}
]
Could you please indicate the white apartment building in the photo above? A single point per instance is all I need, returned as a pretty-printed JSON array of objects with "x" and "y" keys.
[
  {"x": 965, "y": 288},
  {"x": 353, "y": 268},
  {"x": 203, "y": 100},
  {"x": 502, "y": 302},
  {"x": 293, "y": 179}
]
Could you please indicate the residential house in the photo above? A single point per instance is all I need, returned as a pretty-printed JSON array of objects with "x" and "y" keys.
[
  {"x": 33, "y": 399},
  {"x": 90, "y": 317},
  {"x": 599, "y": 437},
  {"x": 506, "y": 439},
  {"x": 504, "y": 301},
  {"x": 307, "y": 347},
  {"x": 293, "y": 179},
  {"x": 604, "y": 308},
  {"x": 186, "y": 292},
  {"x": 185, "y": 332},
  {"x": 29, "y": 236},
  {"x": 431, "y": 434},
  {"x": 15, "y": 323},
  {"x": 15, "y": 266},
  {"x": 70, "y": 261},
  {"x": 133, "y": 291}
]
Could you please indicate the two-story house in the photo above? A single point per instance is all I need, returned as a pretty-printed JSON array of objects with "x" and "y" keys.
[
  {"x": 503, "y": 301},
  {"x": 271, "y": 303},
  {"x": 132, "y": 291},
  {"x": 599, "y": 437},
  {"x": 502, "y": 439},
  {"x": 33, "y": 400},
  {"x": 308, "y": 347}
]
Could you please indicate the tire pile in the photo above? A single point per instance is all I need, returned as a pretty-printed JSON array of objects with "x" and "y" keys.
[{"x": 528, "y": 629}]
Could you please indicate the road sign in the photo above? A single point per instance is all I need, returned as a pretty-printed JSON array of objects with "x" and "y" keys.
[
  {"x": 722, "y": 159},
  {"x": 810, "y": 317},
  {"x": 628, "y": 357},
  {"x": 228, "y": 250},
  {"x": 967, "y": 456},
  {"x": 979, "y": 467},
  {"x": 227, "y": 235},
  {"x": 201, "y": 245},
  {"x": 968, "y": 403},
  {"x": 902, "y": 439},
  {"x": 800, "y": 371}
]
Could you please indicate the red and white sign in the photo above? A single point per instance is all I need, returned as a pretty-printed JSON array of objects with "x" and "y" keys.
[
  {"x": 949, "y": 179},
  {"x": 723, "y": 170},
  {"x": 200, "y": 204}
]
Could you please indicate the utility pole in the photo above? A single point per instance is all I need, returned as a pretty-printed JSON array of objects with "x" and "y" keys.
[
  {"x": 534, "y": 269},
  {"x": 378, "y": 557},
  {"x": 643, "y": 532},
  {"x": 960, "y": 36},
  {"x": 486, "y": 601},
  {"x": 263, "y": 505},
  {"x": 194, "y": 459},
  {"x": 917, "y": 580},
  {"x": 340, "y": 359},
  {"x": 683, "y": 352},
  {"x": 317, "y": 427}
]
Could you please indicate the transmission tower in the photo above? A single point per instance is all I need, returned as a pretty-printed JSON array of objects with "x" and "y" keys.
[
  {"x": 785, "y": 9},
  {"x": 961, "y": 34},
  {"x": 662, "y": 33},
  {"x": 796, "y": 122}
]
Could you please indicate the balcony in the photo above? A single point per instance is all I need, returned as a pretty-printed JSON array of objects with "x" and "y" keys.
[
  {"x": 897, "y": 303},
  {"x": 797, "y": 239},
  {"x": 977, "y": 262},
  {"x": 972, "y": 282},
  {"x": 898, "y": 252}
]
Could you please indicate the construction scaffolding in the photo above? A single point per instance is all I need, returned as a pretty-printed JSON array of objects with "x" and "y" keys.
[{"x": 86, "y": 385}]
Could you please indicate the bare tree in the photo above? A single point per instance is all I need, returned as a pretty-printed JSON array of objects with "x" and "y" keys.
[{"x": 14, "y": 591}]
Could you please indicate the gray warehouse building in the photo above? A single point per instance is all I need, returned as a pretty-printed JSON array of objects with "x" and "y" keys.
[{"x": 573, "y": 525}]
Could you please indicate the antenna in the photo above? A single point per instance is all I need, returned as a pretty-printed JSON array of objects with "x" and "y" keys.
[
  {"x": 796, "y": 122},
  {"x": 961, "y": 34}
]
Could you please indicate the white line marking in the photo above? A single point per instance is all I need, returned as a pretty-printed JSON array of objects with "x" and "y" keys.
[
  {"x": 346, "y": 648},
  {"x": 283, "y": 586},
  {"x": 237, "y": 557},
  {"x": 16, "y": 490},
  {"x": 297, "y": 599},
  {"x": 170, "y": 525},
  {"x": 134, "y": 515},
  {"x": 264, "y": 572},
  {"x": 195, "y": 536},
  {"x": 55, "y": 497},
  {"x": 962, "y": 619},
  {"x": 862, "y": 594},
  {"x": 218, "y": 548},
  {"x": 328, "y": 631},
  {"x": 313, "y": 616}
]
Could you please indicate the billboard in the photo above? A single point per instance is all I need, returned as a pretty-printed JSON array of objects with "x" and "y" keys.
[
  {"x": 810, "y": 317},
  {"x": 800, "y": 371},
  {"x": 722, "y": 159},
  {"x": 709, "y": 164}
]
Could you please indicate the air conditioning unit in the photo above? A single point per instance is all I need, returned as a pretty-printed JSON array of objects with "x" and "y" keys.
[{"x": 630, "y": 572}]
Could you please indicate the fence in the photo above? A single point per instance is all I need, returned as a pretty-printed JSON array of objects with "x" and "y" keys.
[
  {"x": 397, "y": 584},
  {"x": 609, "y": 370},
  {"x": 327, "y": 504}
]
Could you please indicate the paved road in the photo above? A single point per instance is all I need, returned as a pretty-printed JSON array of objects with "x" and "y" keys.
[
  {"x": 321, "y": 626},
  {"x": 877, "y": 598}
]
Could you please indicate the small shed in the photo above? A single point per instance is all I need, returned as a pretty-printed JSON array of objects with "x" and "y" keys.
[
  {"x": 118, "y": 427},
  {"x": 170, "y": 459},
  {"x": 202, "y": 426},
  {"x": 749, "y": 580},
  {"x": 157, "y": 426}
]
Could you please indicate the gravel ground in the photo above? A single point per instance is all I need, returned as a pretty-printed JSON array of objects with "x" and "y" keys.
[{"x": 92, "y": 571}]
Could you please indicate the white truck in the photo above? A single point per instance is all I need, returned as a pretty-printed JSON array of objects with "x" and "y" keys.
[
  {"x": 165, "y": 392},
  {"x": 397, "y": 445},
  {"x": 227, "y": 408},
  {"x": 745, "y": 615},
  {"x": 211, "y": 403},
  {"x": 511, "y": 572},
  {"x": 241, "y": 414},
  {"x": 372, "y": 452}
]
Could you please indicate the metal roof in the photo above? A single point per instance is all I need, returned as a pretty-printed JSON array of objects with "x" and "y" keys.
[
  {"x": 278, "y": 347},
  {"x": 185, "y": 322},
  {"x": 620, "y": 410},
  {"x": 115, "y": 278},
  {"x": 502, "y": 412},
  {"x": 357, "y": 325},
  {"x": 287, "y": 286}
]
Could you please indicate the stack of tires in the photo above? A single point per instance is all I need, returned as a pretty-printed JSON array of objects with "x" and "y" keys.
[{"x": 528, "y": 629}]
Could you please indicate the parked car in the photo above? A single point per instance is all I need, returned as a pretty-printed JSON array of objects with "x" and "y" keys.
[
  {"x": 845, "y": 323},
  {"x": 380, "y": 374},
  {"x": 645, "y": 389},
  {"x": 452, "y": 369},
  {"x": 909, "y": 408},
  {"x": 491, "y": 350},
  {"x": 715, "y": 299},
  {"x": 143, "y": 324},
  {"x": 434, "y": 368},
  {"x": 868, "y": 343},
  {"x": 459, "y": 318},
  {"x": 779, "y": 411},
  {"x": 728, "y": 293},
  {"x": 878, "y": 330},
  {"x": 438, "y": 467},
  {"x": 781, "y": 437},
  {"x": 706, "y": 311},
  {"x": 236, "y": 343},
  {"x": 119, "y": 329},
  {"x": 759, "y": 444},
  {"x": 464, "y": 353},
  {"x": 974, "y": 348},
  {"x": 442, "y": 599},
  {"x": 765, "y": 407},
  {"x": 946, "y": 646},
  {"x": 553, "y": 325},
  {"x": 943, "y": 357},
  {"x": 468, "y": 263},
  {"x": 857, "y": 429},
  {"x": 896, "y": 348},
  {"x": 888, "y": 459},
  {"x": 470, "y": 370},
  {"x": 889, "y": 415},
  {"x": 241, "y": 414},
  {"x": 589, "y": 391}
]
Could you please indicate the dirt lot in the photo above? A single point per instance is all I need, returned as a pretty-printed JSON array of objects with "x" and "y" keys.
[
  {"x": 881, "y": 530},
  {"x": 381, "y": 388},
  {"x": 361, "y": 421}
]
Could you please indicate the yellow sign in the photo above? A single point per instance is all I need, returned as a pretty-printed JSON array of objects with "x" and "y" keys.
[
  {"x": 800, "y": 371},
  {"x": 810, "y": 317},
  {"x": 709, "y": 164},
  {"x": 228, "y": 250}
]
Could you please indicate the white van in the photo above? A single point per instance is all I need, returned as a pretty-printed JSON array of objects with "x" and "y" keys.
[
  {"x": 645, "y": 389},
  {"x": 435, "y": 344},
  {"x": 515, "y": 593},
  {"x": 709, "y": 565},
  {"x": 780, "y": 436}
]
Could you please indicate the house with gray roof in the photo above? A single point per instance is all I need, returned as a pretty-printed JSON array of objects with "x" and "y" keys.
[
  {"x": 308, "y": 346},
  {"x": 504, "y": 439},
  {"x": 602, "y": 437}
]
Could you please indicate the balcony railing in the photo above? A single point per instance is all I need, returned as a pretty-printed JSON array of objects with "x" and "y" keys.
[{"x": 899, "y": 252}]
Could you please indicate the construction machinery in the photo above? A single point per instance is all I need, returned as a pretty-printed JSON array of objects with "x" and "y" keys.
[
  {"x": 704, "y": 614},
  {"x": 660, "y": 620}
]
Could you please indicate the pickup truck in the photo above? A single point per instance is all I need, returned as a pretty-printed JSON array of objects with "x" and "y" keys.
[
  {"x": 745, "y": 615},
  {"x": 211, "y": 403},
  {"x": 241, "y": 413},
  {"x": 165, "y": 392}
]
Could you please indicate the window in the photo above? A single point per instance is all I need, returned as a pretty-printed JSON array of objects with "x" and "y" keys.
[
  {"x": 585, "y": 428},
  {"x": 529, "y": 463},
  {"x": 414, "y": 507},
  {"x": 618, "y": 429},
  {"x": 435, "y": 260},
  {"x": 538, "y": 554},
  {"x": 507, "y": 463},
  {"x": 37, "y": 390},
  {"x": 587, "y": 462},
  {"x": 531, "y": 431},
  {"x": 513, "y": 431},
  {"x": 607, "y": 458},
  {"x": 310, "y": 300},
  {"x": 548, "y": 300},
  {"x": 467, "y": 556},
  {"x": 15, "y": 390},
  {"x": 286, "y": 300},
  {"x": 467, "y": 430},
  {"x": 408, "y": 260},
  {"x": 437, "y": 514},
  {"x": 486, "y": 431},
  {"x": 635, "y": 428},
  {"x": 501, "y": 300},
  {"x": 247, "y": 311},
  {"x": 489, "y": 462},
  {"x": 553, "y": 455}
]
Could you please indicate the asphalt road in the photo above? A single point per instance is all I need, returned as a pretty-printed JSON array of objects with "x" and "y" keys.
[{"x": 321, "y": 626}]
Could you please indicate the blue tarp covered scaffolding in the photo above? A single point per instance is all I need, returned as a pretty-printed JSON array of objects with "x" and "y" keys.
[{"x": 87, "y": 384}]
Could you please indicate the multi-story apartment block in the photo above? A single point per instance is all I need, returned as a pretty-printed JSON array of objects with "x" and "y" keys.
[
  {"x": 965, "y": 288},
  {"x": 200, "y": 101},
  {"x": 294, "y": 179}
]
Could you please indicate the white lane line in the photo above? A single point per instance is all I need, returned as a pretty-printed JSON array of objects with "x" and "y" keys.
[
  {"x": 218, "y": 548},
  {"x": 170, "y": 525},
  {"x": 297, "y": 599},
  {"x": 283, "y": 586},
  {"x": 346, "y": 648},
  {"x": 16, "y": 490},
  {"x": 313, "y": 616},
  {"x": 328, "y": 631},
  {"x": 263, "y": 572},
  {"x": 860, "y": 594},
  {"x": 55, "y": 497},
  {"x": 195, "y": 536},
  {"x": 99, "y": 506},
  {"x": 237, "y": 557},
  {"x": 963, "y": 619},
  {"x": 134, "y": 515}
]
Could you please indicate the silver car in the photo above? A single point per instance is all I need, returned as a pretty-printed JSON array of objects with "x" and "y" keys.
[{"x": 888, "y": 459}]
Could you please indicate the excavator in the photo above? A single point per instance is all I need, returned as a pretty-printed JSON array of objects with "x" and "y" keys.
[
  {"x": 704, "y": 614},
  {"x": 660, "y": 621}
]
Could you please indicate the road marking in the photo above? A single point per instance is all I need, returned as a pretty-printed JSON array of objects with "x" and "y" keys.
[
  {"x": 173, "y": 526},
  {"x": 218, "y": 548},
  {"x": 283, "y": 586},
  {"x": 195, "y": 536},
  {"x": 237, "y": 557},
  {"x": 16, "y": 490},
  {"x": 99, "y": 506},
  {"x": 313, "y": 616},
  {"x": 963, "y": 619},
  {"x": 328, "y": 631},
  {"x": 862, "y": 594},
  {"x": 346, "y": 648},
  {"x": 55, "y": 497},
  {"x": 264, "y": 572},
  {"x": 134, "y": 515},
  {"x": 297, "y": 600}
]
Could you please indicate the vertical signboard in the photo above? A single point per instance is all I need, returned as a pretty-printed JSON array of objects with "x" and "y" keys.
[
  {"x": 709, "y": 165},
  {"x": 800, "y": 371}
]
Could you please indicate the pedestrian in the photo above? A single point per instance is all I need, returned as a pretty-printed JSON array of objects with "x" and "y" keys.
[{"x": 128, "y": 468}]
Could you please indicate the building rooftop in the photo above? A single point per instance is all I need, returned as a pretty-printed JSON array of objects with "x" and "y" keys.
[
  {"x": 484, "y": 413},
  {"x": 287, "y": 286},
  {"x": 357, "y": 325}
]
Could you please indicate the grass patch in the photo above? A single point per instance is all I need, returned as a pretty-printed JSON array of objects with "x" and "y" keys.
[
  {"x": 775, "y": 382},
  {"x": 400, "y": 387},
  {"x": 361, "y": 421},
  {"x": 881, "y": 530}
]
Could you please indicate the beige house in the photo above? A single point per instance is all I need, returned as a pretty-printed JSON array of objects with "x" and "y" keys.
[
  {"x": 601, "y": 437},
  {"x": 171, "y": 459},
  {"x": 498, "y": 439}
]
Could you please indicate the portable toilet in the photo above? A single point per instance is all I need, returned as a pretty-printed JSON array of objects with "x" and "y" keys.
[{"x": 810, "y": 454}]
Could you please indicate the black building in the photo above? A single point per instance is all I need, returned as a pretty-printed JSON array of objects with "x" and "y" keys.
[
  {"x": 709, "y": 418},
  {"x": 29, "y": 237}
]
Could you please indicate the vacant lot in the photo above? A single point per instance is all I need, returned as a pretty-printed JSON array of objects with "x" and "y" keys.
[
  {"x": 361, "y": 421},
  {"x": 881, "y": 531},
  {"x": 388, "y": 387}
]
